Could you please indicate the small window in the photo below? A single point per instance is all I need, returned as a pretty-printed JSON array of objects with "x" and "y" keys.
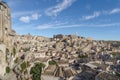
[{"x": 6, "y": 29}]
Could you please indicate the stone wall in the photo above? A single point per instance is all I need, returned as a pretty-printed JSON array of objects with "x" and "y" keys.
[
  {"x": 2, "y": 59},
  {"x": 5, "y": 25}
]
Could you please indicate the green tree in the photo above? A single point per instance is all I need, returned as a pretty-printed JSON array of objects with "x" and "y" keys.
[
  {"x": 23, "y": 66},
  {"x": 7, "y": 69},
  {"x": 36, "y": 71}
]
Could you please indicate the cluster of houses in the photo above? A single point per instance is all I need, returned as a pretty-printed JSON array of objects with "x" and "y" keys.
[
  {"x": 75, "y": 56},
  {"x": 66, "y": 57}
]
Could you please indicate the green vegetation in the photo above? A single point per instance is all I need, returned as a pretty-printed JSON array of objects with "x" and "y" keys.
[
  {"x": 83, "y": 56},
  {"x": 28, "y": 64},
  {"x": 52, "y": 62},
  {"x": 14, "y": 51},
  {"x": 16, "y": 60},
  {"x": 36, "y": 71},
  {"x": 7, "y": 69},
  {"x": 7, "y": 50},
  {"x": 24, "y": 65}
]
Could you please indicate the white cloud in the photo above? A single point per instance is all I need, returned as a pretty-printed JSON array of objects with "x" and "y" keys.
[
  {"x": 35, "y": 16},
  {"x": 55, "y": 26},
  {"x": 51, "y": 25},
  {"x": 45, "y": 26},
  {"x": 95, "y": 14},
  {"x": 116, "y": 10},
  {"x": 54, "y": 11},
  {"x": 18, "y": 14},
  {"x": 23, "y": 13},
  {"x": 27, "y": 19}
]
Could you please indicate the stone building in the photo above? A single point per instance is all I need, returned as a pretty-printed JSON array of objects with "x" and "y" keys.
[
  {"x": 5, "y": 34},
  {"x": 5, "y": 21}
]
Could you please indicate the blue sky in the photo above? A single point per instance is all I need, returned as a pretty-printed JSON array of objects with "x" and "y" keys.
[{"x": 99, "y": 19}]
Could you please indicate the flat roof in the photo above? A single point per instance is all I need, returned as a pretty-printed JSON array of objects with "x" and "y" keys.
[{"x": 91, "y": 65}]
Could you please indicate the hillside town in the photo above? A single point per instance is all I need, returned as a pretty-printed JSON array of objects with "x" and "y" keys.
[{"x": 62, "y": 57}]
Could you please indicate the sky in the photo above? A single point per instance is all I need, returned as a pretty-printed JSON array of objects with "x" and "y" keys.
[{"x": 98, "y": 19}]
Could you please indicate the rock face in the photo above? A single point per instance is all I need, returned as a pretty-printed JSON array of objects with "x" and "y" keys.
[{"x": 2, "y": 59}]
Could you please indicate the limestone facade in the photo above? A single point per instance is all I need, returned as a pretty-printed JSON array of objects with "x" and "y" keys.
[
  {"x": 5, "y": 31},
  {"x": 5, "y": 25}
]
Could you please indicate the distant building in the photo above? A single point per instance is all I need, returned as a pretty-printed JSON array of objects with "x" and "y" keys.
[
  {"x": 41, "y": 54},
  {"x": 58, "y": 37}
]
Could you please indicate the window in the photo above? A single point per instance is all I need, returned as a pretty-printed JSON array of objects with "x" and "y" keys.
[{"x": 6, "y": 29}]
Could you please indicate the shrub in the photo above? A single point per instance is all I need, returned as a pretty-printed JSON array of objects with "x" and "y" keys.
[
  {"x": 7, "y": 69},
  {"x": 14, "y": 51},
  {"x": 7, "y": 50},
  {"x": 16, "y": 60},
  {"x": 36, "y": 71},
  {"x": 52, "y": 62},
  {"x": 23, "y": 66}
]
